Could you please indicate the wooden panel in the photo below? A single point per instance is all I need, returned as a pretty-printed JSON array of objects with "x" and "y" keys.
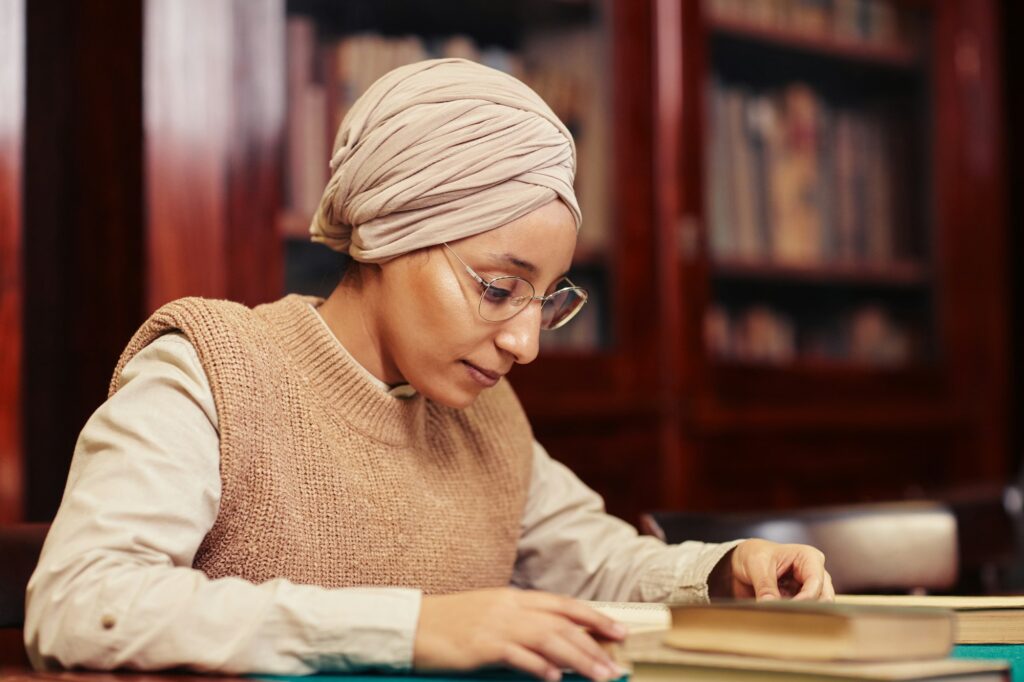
[
  {"x": 677, "y": 154},
  {"x": 1013, "y": 24},
  {"x": 187, "y": 67},
  {"x": 12, "y": 73},
  {"x": 214, "y": 84},
  {"x": 254, "y": 248},
  {"x": 830, "y": 466},
  {"x": 83, "y": 217},
  {"x": 970, "y": 216}
]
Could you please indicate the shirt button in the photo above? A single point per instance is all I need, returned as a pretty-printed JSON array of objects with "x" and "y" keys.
[{"x": 108, "y": 621}]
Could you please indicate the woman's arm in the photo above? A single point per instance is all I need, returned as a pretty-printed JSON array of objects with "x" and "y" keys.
[
  {"x": 570, "y": 545},
  {"x": 115, "y": 587}
]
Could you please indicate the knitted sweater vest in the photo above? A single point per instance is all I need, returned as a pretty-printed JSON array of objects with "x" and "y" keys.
[{"x": 328, "y": 480}]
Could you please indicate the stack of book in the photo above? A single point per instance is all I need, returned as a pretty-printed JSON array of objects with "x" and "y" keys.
[{"x": 800, "y": 641}]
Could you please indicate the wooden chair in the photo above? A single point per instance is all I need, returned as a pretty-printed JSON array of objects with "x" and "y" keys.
[
  {"x": 925, "y": 546},
  {"x": 20, "y": 545}
]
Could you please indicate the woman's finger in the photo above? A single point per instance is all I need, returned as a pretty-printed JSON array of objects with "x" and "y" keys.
[
  {"x": 521, "y": 658},
  {"x": 811, "y": 589},
  {"x": 577, "y": 612},
  {"x": 763, "y": 576},
  {"x": 582, "y": 640},
  {"x": 559, "y": 647},
  {"x": 828, "y": 593}
]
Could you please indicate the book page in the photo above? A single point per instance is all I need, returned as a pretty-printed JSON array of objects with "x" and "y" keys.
[{"x": 636, "y": 616}]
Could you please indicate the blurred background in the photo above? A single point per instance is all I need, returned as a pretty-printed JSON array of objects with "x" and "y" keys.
[{"x": 802, "y": 223}]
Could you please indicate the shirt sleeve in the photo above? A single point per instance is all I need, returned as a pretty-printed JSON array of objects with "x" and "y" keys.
[
  {"x": 115, "y": 587},
  {"x": 570, "y": 545}
]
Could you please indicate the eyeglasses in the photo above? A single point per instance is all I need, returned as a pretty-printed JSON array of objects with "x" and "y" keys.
[{"x": 505, "y": 297}]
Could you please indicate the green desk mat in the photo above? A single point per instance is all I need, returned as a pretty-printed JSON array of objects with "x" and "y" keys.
[
  {"x": 1014, "y": 653},
  {"x": 481, "y": 676}
]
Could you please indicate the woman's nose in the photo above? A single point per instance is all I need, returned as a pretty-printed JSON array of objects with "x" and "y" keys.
[{"x": 520, "y": 335}]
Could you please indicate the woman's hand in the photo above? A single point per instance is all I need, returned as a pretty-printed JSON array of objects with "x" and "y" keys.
[
  {"x": 537, "y": 632},
  {"x": 767, "y": 570}
]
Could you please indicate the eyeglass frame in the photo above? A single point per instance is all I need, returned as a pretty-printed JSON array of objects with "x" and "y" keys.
[{"x": 582, "y": 293}]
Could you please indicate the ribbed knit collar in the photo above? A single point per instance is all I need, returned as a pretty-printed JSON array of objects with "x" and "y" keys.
[
  {"x": 399, "y": 391},
  {"x": 347, "y": 389}
]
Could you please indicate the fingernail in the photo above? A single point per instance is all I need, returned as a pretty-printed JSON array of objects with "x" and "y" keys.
[
  {"x": 603, "y": 672},
  {"x": 553, "y": 675},
  {"x": 768, "y": 597},
  {"x": 619, "y": 630}
]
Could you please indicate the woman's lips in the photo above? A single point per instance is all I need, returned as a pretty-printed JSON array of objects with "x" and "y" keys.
[{"x": 484, "y": 377}]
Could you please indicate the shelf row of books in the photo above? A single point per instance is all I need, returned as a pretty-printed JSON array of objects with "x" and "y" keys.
[
  {"x": 761, "y": 334},
  {"x": 326, "y": 76},
  {"x": 794, "y": 179},
  {"x": 878, "y": 22}
]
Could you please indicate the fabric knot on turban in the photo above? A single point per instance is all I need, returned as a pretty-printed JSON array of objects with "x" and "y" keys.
[{"x": 440, "y": 150}]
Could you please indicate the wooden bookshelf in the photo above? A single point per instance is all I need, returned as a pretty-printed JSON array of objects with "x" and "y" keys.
[
  {"x": 648, "y": 416},
  {"x": 801, "y": 427}
]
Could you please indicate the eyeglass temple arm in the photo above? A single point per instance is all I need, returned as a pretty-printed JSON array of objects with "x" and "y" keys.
[{"x": 472, "y": 273}]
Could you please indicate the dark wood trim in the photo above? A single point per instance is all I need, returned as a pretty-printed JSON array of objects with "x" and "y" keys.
[
  {"x": 668, "y": 64},
  {"x": 12, "y": 83},
  {"x": 970, "y": 217},
  {"x": 1013, "y": 91},
  {"x": 83, "y": 216}
]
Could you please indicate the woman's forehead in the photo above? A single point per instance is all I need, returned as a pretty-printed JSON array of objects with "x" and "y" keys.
[{"x": 534, "y": 244}]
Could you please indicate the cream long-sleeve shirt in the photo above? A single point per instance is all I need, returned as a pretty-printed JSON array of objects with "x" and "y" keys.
[{"x": 115, "y": 587}]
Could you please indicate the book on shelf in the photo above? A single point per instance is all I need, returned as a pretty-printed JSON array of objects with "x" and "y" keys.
[
  {"x": 867, "y": 335},
  {"x": 979, "y": 619},
  {"x": 876, "y": 22},
  {"x": 795, "y": 179}
]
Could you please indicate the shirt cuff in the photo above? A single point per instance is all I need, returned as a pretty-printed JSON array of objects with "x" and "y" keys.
[
  {"x": 682, "y": 575},
  {"x": 365, "y": 629}
]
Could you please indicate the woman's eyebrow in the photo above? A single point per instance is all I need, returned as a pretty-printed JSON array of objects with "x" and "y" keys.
[
  {"x": 522, "y": 264},
  {"x": 516, "y": 261}
]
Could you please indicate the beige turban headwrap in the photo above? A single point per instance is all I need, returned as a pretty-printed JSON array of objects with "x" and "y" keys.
[{"x": 437, "y": 151}]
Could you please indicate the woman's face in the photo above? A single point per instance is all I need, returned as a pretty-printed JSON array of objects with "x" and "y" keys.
[{"x": 432, "y": 335}]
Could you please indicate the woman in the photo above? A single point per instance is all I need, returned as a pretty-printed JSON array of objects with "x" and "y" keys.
[{"x": 351, "y": 483}]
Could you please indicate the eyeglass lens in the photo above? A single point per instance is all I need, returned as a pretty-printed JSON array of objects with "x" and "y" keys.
[
  {"x": 505, "y": 296},
  {"x": 561, "y": 308}
]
